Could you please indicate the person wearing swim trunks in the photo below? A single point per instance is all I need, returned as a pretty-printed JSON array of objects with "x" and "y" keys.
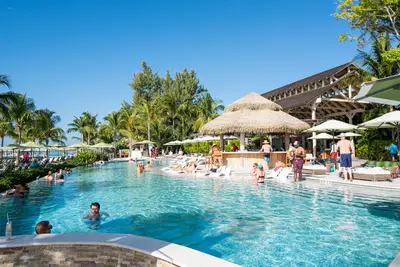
[
  {"x": 346, "y": 149},
  {"x": 298, "y": 161},
  {"x": 267, "y": 149}
]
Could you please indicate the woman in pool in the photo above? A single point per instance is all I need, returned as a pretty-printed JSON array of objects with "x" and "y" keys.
[
  {"x": 49, "y": 176},
  {"x": 260, "y": 174},
  {"x": 140, "y": 168},
  {"x": 148, "y": 166},
  {"x": 253, "y": 171}
]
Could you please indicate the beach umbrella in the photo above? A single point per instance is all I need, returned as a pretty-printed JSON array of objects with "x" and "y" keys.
[
  {"x": 102, "y": 145},
  {"x": 389, "y": 120},
  {"x": 383, "y": 91},
  {"x": 322, "y": 136},
  {"x": 32, "y": 145},
  {"x": 145, "y": 142},
  {"x": 173, "y": 143},
  {"x": 10, "y": 147},
  {"x": 57, "y": 147},
  {"x": 332, "y": 126},
  {"x": 79, "y": 145},
  {"x": 350, "y": 134}
]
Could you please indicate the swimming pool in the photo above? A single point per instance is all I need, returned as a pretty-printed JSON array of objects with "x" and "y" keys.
[{"x": 242, "y": 222}]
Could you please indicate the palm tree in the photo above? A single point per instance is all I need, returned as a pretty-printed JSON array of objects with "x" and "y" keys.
[
  {"x": 148, "y": 109},
  {"x": 20, "y": 112},
  {"x": 207, "y": 109},
  {"x": 4, "y": 80},
  {"x": 5, "y": 128},
  {"x": 113, "y": 124},
  {"x": 374, "y": 62},
  {"x": 91, "y": 125},
  {"x": 46, "y": 121},
  {"x": 131, "y": 126},
  {"x": 77, "y": 125}
]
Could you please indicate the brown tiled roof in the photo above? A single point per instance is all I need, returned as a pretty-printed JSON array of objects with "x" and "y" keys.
[
  {"x": 305, "y": 81},
  {"x": 304, "y": 98}
]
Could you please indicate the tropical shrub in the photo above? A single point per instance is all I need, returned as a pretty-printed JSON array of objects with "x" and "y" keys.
[
  {"x": 86, "y": 157},
  {"x": 375, "y": 150}
]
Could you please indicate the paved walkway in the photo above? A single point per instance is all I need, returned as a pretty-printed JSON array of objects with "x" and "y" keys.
[{"x": 333, "y": 179}]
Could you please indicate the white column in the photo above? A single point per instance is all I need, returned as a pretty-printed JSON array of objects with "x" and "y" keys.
[
  {"x": 350, "y": 92},
  {"x": 221, "y": 142},
  {"x": 313, "y": 117},
  {"x": 242, "y": 142}
]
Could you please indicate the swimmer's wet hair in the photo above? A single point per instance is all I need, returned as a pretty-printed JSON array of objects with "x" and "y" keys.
[{"x": 96, "y": 204}]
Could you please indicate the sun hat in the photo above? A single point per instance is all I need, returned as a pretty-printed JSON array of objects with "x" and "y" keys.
[
  {"x": 296, "y": 143},
  {"x": 265, "y": 142},
  {"x": 260, "y": 166},
  {"x": 342, "y": 135}
]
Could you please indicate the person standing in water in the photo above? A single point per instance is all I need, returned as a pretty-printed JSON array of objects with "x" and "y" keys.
[
  {"x": 95, "y": 214},
  {"x": 267, "y": 149}
]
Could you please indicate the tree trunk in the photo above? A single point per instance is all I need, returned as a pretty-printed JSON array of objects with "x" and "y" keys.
[
  {"x": 81, "y": 137},
  {"x": 130, "y": 147},
  {"x": 88, "y": 136},
  {"x": 115, "y": 145},
  {"x": 148, "y": 130},
  {"x": 19, "y": 136}
]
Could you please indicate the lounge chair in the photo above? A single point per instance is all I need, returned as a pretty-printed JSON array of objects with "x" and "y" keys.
[
  {"x": 372, "y": 174},
  {"x": 314, "y": 169}
]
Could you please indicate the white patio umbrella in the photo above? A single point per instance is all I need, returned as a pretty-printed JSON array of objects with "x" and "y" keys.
[
  {"x": 80, "y": 145},
  {"x": 32, "y": 145},
  {"x": 350, "y": 134},
  {"x": 322, "y": 136},
  {"x": 389, "y": 120},
  {"x": 173, "y": 143},
  {"x": 332, "y": 126}
]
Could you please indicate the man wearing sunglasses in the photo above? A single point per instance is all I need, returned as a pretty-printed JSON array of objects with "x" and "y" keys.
[{"x": 43, "y": 227}]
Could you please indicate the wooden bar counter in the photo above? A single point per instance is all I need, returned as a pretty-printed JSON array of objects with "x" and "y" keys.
[{"x": 247, "y": 159}]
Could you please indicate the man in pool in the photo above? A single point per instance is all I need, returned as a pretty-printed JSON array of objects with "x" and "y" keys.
[
  {"x": 95, "y": 214},
  {"x": 43, "y": 227}
]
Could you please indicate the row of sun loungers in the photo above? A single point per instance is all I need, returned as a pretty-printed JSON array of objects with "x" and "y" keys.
[{"x": 199, "y": 171}]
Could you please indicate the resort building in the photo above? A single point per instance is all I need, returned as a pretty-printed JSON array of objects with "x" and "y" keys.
[{"x": 326, "y": 95}]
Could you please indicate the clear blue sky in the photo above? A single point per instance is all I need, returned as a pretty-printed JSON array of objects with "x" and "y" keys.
[{"x": 74, "y": 56}]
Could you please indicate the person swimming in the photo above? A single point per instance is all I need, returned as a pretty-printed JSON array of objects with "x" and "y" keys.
[
  {"x": 95, "y": 214},
  {"x": 140, "y": 168},
  {"x": 49, "y": 176},
  {"x": 148, "y": 166},
  {"x": 260, "y": 174}
]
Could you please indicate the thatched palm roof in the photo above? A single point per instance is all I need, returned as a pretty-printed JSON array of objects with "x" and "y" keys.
[
  {"x": 254, "y": 114},
  {"x": 252, "y": 101}
]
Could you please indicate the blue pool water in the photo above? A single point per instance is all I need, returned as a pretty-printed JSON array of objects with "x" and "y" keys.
[{"x": 242, "y": 222}]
